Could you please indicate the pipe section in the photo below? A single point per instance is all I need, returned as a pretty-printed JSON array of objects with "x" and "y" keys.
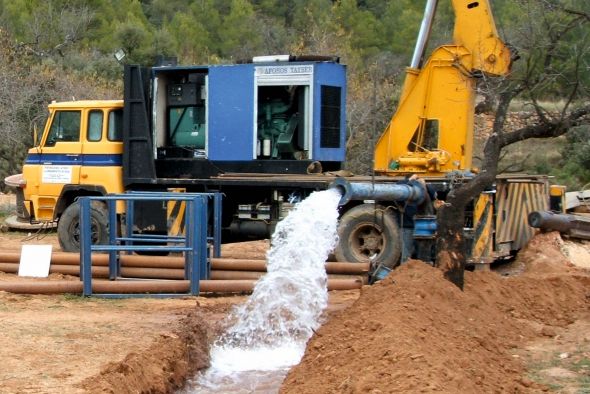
[
  {"x": 347, "y": 268},
  {"x": 424, "y": 34},
  {"x": 172, "y": 262},
  {"x": 152, "y": 286},
  {"x": 573, "y": 225},
  {"x": 412, "y": 193},
  {"x": 97, "y": 272},
  {"x": 227, "y": 275},
  {"x": 139, "y": 272},
  {"x": 238, "y": 264},
  {"x": 170, "y": 273}
]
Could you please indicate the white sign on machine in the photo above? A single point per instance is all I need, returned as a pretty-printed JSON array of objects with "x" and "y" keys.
[
  {"x": 284, "y": 75},
  {"x": 56, "y": 174}
]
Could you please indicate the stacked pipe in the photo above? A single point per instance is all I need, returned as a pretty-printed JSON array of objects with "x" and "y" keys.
[{"x": 227, "y": 274}]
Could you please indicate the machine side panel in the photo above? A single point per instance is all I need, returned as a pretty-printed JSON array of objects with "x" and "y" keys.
[
  {"x": 231, "y": 109},
  {"x": 329, "y": 100}
]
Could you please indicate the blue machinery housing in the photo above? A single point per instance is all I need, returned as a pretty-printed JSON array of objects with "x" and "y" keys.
[
  {"x": 193, "y": 122},
  {"x": 193, "y": 243},
  {"x": 233, "y": 97}
]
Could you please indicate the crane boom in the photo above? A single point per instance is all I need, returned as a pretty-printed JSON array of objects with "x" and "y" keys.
[
  {"x": 432, "y": 130},
  {"x": 475, "y": 30}
]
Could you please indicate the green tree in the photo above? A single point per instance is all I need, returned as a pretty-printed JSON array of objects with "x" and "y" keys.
[
  {"x": 159, "y": 12},
  {"x": 239, "y": 38},
  {"x": 574, "y": 168},
  {"x": 196, "y": 33},
  {"x": 363, "y": 31},
  {"x": 401, "y": 21}
]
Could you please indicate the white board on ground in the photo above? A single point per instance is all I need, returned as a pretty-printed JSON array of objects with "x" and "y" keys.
[{"x": 35, "y": 260}]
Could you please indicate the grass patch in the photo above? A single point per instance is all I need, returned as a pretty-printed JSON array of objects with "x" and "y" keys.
[
  {"x": 582, "y": 365},
  {"x": 576, "y": 363},
  {"x": 113, "y": 302}
]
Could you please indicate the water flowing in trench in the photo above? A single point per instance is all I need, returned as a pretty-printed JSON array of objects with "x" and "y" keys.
[{"x": 268, "y": 333}]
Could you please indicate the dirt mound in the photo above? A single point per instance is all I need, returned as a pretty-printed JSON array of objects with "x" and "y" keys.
[
  {"x": 415, "y": 331},
  {"x": 544, "y": 254}
]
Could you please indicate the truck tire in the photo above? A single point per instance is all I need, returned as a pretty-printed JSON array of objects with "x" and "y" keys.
[
  {"x": 368, "y": 233},
  {"x": 68, "y": 227}
]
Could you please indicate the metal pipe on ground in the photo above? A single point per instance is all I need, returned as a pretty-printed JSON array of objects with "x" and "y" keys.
[
  {"x": 62, "y": 258},
  {"x": 247, "y": 255},
  {"x": 138, "y": 272},
  {"x": 171, "y": 262},
  {"x": 347, "y": 268},
  {"x": 238, "y": 264},
  {"x": 97, "y": 272},
  {"x": 260, "y": 265},
  {"x": 576, "y": 226},
  {"x": 148, "y": 286},
  {"x": 156, "y": 273},
  {"x": 226, "y": 275},
  {"x": 102, "y": 260}
]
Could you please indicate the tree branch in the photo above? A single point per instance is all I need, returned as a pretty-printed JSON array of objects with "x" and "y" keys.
[{"x": 553, "y": 128}]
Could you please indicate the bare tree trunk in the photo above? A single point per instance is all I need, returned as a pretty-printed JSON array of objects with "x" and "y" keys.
[{"x": 451, "y": 244}]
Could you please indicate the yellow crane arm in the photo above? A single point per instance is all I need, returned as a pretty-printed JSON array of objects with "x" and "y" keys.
[
  {"x": 432, "y": 129},
  {"x": 475, "y": 30}
]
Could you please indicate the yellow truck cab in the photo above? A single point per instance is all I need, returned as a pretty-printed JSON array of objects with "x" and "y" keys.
[{"x": 78, "y": 154}]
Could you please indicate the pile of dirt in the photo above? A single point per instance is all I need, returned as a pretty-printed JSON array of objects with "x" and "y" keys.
[
  {"x": 543, "y": 254},
  {"x": 415, "y": 331}
]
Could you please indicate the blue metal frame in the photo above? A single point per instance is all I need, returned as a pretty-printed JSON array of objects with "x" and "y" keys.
[{"x": 194, "y": 243}]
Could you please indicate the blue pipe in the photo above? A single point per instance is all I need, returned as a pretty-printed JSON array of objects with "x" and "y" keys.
[{"x": 412, "y": 192}]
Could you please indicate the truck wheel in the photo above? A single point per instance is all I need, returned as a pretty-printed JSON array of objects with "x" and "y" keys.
[
  {"x": 368, "y": 233},
  {"x": 68, "y": 227}
]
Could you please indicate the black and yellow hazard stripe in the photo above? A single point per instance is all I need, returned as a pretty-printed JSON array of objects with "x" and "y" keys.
[
  {"x": 483, "y": 244},
  {"x": 515, "y": 199},
  {"x": 175, "y": 211}
]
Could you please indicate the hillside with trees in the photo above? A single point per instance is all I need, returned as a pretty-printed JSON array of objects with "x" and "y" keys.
[{"x": 59, "y": 50}]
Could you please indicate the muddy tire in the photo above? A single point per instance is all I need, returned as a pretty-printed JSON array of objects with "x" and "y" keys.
[
  {"x": 68, "y": 227},
  {"x": 368, "y": 233}
]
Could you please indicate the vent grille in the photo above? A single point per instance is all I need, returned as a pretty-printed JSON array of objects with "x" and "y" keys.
[{"x": 330, "y": 118}]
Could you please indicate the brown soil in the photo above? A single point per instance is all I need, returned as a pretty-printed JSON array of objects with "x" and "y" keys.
[
  {"x": 416, "y": 332},
  {"x": 523, "y": 331},
  {"x": 70, "y": 344},
  {"x": 63, "y": 344}
]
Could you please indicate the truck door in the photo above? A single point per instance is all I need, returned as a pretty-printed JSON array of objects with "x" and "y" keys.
[
  {"x": 102, "y": 150},
  {"x": 60, "y": 159}
]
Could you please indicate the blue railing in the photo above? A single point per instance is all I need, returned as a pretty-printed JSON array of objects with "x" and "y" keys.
[{"x": 193, "y": 243}]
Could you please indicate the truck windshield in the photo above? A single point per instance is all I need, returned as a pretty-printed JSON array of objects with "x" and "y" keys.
[{"x": 65, "y": 127}]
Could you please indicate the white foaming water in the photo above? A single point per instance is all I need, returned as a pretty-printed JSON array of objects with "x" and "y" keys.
[{"x": 270, "y": 330}]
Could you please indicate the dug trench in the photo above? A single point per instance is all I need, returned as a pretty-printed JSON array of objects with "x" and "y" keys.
[{"x": 412, "y": 332}]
